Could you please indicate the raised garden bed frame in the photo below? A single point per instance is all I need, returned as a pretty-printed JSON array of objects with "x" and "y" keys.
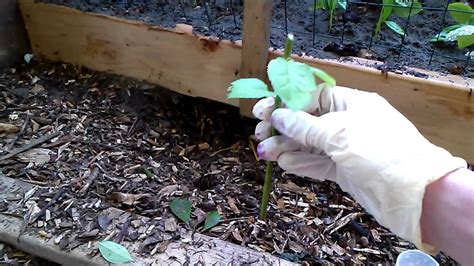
[{"x": 442, "y": 107}]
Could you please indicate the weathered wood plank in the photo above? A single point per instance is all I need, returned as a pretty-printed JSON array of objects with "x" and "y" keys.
[
  {"x": 441, "y": 107},
  {"x": 255, "y": 45},
  {"x": 202, "y": 250},
  {"x": 13, "y": 40}
]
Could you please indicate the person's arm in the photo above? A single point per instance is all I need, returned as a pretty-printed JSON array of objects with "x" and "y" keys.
[{"x": 447, "y": 218}]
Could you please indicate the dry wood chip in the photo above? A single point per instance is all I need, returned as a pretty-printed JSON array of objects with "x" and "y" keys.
[
  {"x": 8, "y": 128},
  {"x": 171, "y": 225},
  {"x": 231, "y": 202},
  {"x": 368, "y": 250},
  {"x": 375, "y": 235},
  {"x": 237, "y": 235},
  {"x": 127, "y": 199},
  {"x": 281, "y": 203},
  {"x": 89, "y": 234},
  {"x": 296, "y": 247},
  {"x": 338, "y": 249},
  {"x": 327, "y": 250},
  {"x": 292, "y": 187}
]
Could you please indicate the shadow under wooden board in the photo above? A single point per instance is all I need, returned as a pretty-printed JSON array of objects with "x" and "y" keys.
[{"x": 442, "y": 107}]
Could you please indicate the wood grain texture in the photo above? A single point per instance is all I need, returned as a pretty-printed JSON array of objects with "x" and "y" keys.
[
  {"x": 172, "y": 58},
  {"x": 442, "y": 107},
  {"x": 255, "y": 45}
]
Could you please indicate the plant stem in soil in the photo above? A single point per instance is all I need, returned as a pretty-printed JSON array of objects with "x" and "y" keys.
[{"x": 267, "y": 185}]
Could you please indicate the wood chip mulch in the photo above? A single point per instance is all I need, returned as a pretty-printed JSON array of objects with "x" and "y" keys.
[{"x": 90, "y": 141}]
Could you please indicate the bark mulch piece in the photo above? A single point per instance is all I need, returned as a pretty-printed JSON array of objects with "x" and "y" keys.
[{"x": 133, "y": 146}]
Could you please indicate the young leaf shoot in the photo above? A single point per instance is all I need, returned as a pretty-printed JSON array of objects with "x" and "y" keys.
[
  {"x": 331, "y": 6},
  {"x": 293, "y": 85},
  {"x": 463, "y": 32},
  {"x": 401, "y": 8}
]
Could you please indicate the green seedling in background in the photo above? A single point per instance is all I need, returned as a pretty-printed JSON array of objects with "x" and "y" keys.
[
  {"x": 182, "y": 209},
  {"x": 463, "y": 32},
  {"x": 293, "y": 84},
  {"x": 402, "y": 8},
  {"x": 331, "y": 6}
]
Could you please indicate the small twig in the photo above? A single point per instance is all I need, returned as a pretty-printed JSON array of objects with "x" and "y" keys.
[
  {"x": 25, "y": 222},
  {"x": 90, "y": 181},
  {"x": 53, "y": 201},
  {"x": 39, "y": 183},
  {"x": 22, "y": 131},
  {"x": 30, "y": 145},
  {"x": 11, "y": 214},
  {"x": 123, "y": 230}
]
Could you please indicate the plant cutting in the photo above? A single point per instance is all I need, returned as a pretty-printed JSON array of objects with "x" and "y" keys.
[
  {"x": 293, "y": 83},
  {"x": 330, "y": 6},
  {"x": 463, "y": 32},
  {"x": 402, "y": 8}
]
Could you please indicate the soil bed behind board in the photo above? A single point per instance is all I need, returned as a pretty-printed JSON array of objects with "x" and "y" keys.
[
  {"x": 122, "y": 139},
  {"x": 360, "y": 20}
]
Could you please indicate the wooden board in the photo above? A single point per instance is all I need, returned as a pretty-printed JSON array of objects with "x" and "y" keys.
[
  {"x": 441, "y": 107},
  {"x": 200, "y": 250},
  {"x": 13, "y": 40},
  {"x": 256, "y": 36}
]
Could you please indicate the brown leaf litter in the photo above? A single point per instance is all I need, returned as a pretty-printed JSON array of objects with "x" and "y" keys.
[{"x": 93, "y": 141}]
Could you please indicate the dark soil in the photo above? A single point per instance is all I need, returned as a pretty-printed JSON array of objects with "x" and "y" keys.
[
  {"x": 122, "y": 139},
  {"x": 217, "y": 18}
]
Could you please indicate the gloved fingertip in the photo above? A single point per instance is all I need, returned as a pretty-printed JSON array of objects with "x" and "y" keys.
[
  {"x": 261, "y": 151},
  {"x": 262, "y": 130},
  {"x": 263, "y": 108},
  {"x": 278, "y": 118}
]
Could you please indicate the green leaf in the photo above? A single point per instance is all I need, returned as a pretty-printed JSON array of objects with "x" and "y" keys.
[
  {"x": 460, "y": 17},
  {"x": 384, "y": 14},
  {"x": 292, "y": 81},
  {"x": 342, "y": 4},
  {"x": 332, "y": 5},
  {"x": 212, "y": 219},
  {"x": 248, "y": 88},
  {"x": 182, "y": 209},
  {"x": 386, "y": 10},
  {"x": 461, "y": 31},
  {"x": 404, "y": 9},
  {"x": 114, "y": 253},
  {"x": 395, "y": 27},
  {"x": 320, "y": 4},
  {"x": 442, "y": 35},
  {"x": 324, "y": 76},
  {"x": 465, "y": 41}
]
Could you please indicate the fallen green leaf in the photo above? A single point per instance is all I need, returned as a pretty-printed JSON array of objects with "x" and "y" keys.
[
  {"x": 114, "y": 253},
  {"x": 212, "y": 219},
  {"x": 182, "y": 209},
  {"x": 248, "y": 88}
]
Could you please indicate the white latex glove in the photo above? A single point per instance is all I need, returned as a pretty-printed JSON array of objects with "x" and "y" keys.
[{"x": 363, "y": 144}]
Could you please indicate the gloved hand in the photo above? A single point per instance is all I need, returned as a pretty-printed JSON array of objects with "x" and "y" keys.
[{"x": 363, "y": 144}]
